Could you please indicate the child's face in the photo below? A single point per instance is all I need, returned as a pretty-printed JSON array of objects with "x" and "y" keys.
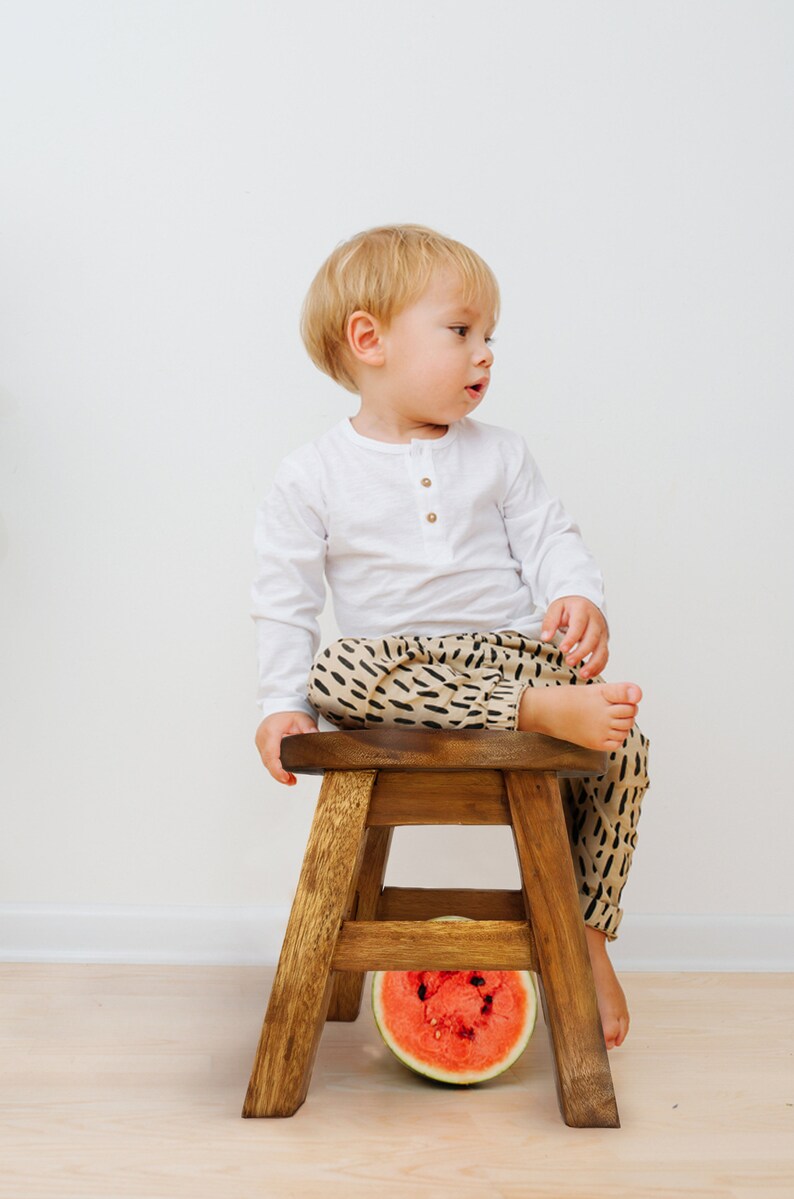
[{"x": 433, "y": 352}]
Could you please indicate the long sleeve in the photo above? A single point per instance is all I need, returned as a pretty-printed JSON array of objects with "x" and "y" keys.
[
  {"x": 289, "y": 593},
  {"x": 546, "y": 541}
]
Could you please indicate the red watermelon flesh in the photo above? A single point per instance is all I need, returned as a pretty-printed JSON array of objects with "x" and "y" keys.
[{"x": 458, "y": 1026}]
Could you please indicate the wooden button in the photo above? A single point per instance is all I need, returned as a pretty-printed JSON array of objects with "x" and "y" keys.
[
  {"x": 431, "y": 516},
  {"x": 426, "y": 482}
]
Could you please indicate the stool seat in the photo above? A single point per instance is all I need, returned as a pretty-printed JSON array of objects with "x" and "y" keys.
[
  {"x": 345, "y": 922},
  {"x": 446, "y": 749}
]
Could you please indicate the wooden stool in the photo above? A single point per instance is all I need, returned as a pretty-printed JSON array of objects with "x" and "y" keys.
[{"x": 344, "y": 922}]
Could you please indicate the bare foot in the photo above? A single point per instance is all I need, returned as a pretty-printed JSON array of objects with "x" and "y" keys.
[
  {"x": 598, "y": 715},
  {"x": 612, "y": 1006}
]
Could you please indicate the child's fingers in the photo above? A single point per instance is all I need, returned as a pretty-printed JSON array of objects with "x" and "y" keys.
[
  {"x": 576, "y": 631},
  {"x": 551, "y": 621},
  {"x": 270, "y": 756},
  {"x": 593, "y": 668},
  {"x": 591, "y": 642},
  {"x": 597, "y": 662},
  {"x": 577, "y": 655},
  {"x": 268, "y": 740},
  {"x": 582, "y": 631},
  {"x": 283, "y": 776}
]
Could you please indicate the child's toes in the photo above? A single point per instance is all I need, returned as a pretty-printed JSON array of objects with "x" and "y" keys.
[
  {"x": 622, "y": 693},
  {"x": 623, "y": 1028},
  {"x": 611, "y": 1032},
  {"x": 620, "y": 728},
  {"x": 620, "y": 717}
]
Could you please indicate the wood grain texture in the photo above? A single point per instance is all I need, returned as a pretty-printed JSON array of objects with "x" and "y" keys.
[
  {"x": 439, "y": 797},
  {"x": 348, "y": 986},
  {"x": 420, "y": 945},
  {"x": 301, "y": 991},
  {"x": 440, "y": 749},
  {"x": 584, "y": 1081},
  {"x": 425, "y": 903}
]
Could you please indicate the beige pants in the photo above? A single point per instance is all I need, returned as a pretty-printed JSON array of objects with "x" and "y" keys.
[{"x": 475, "y": 681}]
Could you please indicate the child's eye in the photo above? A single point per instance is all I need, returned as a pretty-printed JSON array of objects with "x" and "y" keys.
[{"x": 456, "y": 328}]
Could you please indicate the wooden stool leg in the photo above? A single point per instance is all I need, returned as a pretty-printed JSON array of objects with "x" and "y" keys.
[
  {"x": 581, "y": 1069},
  {"x": 348, "y": 985},
  {"x": 302, "y": 986}
]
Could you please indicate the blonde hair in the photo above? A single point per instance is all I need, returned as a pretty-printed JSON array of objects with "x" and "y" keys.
[{"x": 382, "y": 271}]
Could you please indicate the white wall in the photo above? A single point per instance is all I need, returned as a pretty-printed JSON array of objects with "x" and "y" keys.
[{"x": 172, "y": 176}]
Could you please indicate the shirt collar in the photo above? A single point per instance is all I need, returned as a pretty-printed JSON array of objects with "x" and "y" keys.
[{"x": 389, "y": 447}]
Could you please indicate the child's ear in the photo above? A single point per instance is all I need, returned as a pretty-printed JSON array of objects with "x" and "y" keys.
[{"x": 363, "y": 337}]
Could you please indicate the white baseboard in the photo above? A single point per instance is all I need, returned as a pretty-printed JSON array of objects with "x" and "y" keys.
[
  {"x": 181, "y": 935},
  {"x": 175, "y": 934}
]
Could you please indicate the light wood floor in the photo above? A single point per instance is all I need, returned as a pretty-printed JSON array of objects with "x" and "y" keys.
[{"x": 123, "y": 1081}]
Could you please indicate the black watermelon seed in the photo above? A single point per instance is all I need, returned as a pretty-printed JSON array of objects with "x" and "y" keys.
[{"x": 422, "y": 991}]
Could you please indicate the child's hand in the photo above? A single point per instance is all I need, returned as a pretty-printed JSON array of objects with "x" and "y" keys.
[
  {"x": 584, "y": 624},
  {"x": 268, "y": 740}
]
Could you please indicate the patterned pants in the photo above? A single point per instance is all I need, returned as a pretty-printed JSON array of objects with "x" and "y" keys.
[{"x": 475, "y": 681}]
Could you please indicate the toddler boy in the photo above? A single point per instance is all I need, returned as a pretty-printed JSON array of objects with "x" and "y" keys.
[{"x": 454, "y": 573}]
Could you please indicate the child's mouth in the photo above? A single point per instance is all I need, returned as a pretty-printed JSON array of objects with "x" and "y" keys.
[{"x": 474, "y": 392}]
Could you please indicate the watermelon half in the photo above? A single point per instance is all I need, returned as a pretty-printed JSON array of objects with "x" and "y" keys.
[{"x": 458, "y": 1026}]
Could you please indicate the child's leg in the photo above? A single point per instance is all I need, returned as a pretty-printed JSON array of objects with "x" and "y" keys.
[
  {"x": 602, "y": 813},
  {"x": 475, "y": 680},
  {"x": 457, "y": 681}
]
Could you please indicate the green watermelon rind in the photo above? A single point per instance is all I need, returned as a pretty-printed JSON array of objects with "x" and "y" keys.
[{"x": 459, "y": 1078}]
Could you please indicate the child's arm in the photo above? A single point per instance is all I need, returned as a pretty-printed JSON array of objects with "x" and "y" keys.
[
  {"x": 560, "y": 572},
  {"x": 288, "y": 595}
]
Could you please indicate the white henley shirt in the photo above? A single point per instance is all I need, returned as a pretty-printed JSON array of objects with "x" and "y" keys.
[{"x": 456, "y": 534}]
